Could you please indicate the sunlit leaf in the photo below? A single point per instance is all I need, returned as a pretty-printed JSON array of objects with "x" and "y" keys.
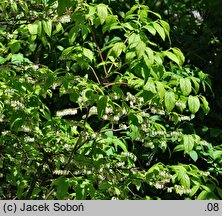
[
  {"x": 101, "y": 105},
  {"x": 102, "y": 12},
  {"x": 33, "y": 28},
  {"x": 160, "y": 30},
  {"x": 172, "y": 57},
  {"x": 193, "y": 103},
  {"x": 169, "y": 100},
  {"x": 188, "y": 142},
  {"x": 47, "y": 27},
  {"x": 185, "y": 86},
  {"x": 193, "y": 154}
]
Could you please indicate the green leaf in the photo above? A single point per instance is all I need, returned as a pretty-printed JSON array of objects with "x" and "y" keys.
[
  {"x": 160, "y": 30},
  {"x": 2, "y": 60},
  {"x": 150, "y": 86},
  {"x": 185, "y": 86},
  {"x": 194, "y": 190},
  {"x": 154, "y": 13},
  {"x": 101, "y": 105},
  {"x": 47, "y": 27},
  {"x": 17, "y": 58},
  {"x": 195, "y": 83},
  {"x": 205, "y": 195},
  {"x": 205, "y": 104},
  {"x": 150, "y": 55},
  {"x": 160, "y": 89},
  {"x": 178, "y": 148},
  {"x": 88, "y": 53},
  {"x": 117, "y": 49},
  {"x": 73, "y": 34},
  {"x": 193, "y": 103},
  {"x": 219, "y": 191},
  {"x": 122, "y": 145},
  {"x": 102, "y": 12},
  {"x": 172, "y": 57},
  {"x": 179, "y": 54},
  {"x": 17, "y": 123},
  {"x": 133, "y": 40},
  {"x": 140, "y": 48},
  {"x": 14, "y": 46},
  {"x": 181, "y": 104},
  {"x": 185, "y": 181},
  {"x": 49, "y": 81},
  {"x": 39, "y": 30},
  {"x": 169, "y": 101},
  {"x": 166, "y": 28},
  {"x": 134, "y": 132},
  {"x": 216, "y": 154},
  {"x": 46, "y": 113},
  {"x": 62, "y": 188},
  {"x": 188, "y": 142},
  {"x": 150, "y": 28},
  {"x": 193, "y": 154},
  {"x": 62, "y": 5},
  {"x": 33, "y": 28}
]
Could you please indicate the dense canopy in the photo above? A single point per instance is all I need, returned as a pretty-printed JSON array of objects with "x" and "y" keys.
[{"x": 110, "y": 99}]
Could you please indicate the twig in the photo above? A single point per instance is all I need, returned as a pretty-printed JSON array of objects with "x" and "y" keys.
[
  {"x": 115, "y": 83},
  {"x": 94, "y": 72},
  {"x": 100, "y": 52},
  {"x": 34, "y": 180},
  {"x": 114, "y": 130}
]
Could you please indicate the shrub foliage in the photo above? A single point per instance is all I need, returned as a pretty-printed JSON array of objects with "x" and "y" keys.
[{"x": 96, "y": 103}]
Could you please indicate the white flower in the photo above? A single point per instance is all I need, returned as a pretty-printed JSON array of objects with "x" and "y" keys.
[
  {"x": 124, "y": 111},
  {"x": 65, "y": 19},
  {"x": 123, "y": 126},
  {"x": 131, "y": 104},
  {"x": 17, "y": 104},
  {"x": 141, "y": 99},
  {"x": 2, "y": 117},
  {"x": 93, "y": 110},
  {"x": 25, "y": 128},
  {"x": 170, "y": 190},
  {"x": 29, "y": 139},
  {"x": 65, "y": 112},
  {"x": 105, "y": 117},
  {"x": 5, "y": 133},
  {"x": 197, "y": 15},
  {"x": 108, "y": 110},
  {"x": 9, "y": 91},
  {"x": 116, "y": 118},
  {"x": 35, "y": 67},
  {"x": 144, "y": 127},
  {"x": 93, "y": 135},
  {"x": 67, "y": 146},
  {"x": 79, "y": 100}
]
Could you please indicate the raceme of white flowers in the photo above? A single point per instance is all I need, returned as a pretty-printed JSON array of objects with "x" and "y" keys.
[{"x": 65, "y": 112}]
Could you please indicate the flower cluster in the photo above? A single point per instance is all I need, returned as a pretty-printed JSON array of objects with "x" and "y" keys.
[
  {"x": 157, "y": 111},
  {"x": 129, "y": 155},
  {"x": 65, "y": 112},
  {"x": 29, "y": 139},
  {"x": 17, "y": 105},
  {"x": 61, "y": 172},
  {"x": 65, "y": 19}
]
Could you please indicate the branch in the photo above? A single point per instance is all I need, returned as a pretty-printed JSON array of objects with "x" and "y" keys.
[
  {"x": 100, "y": 52},
  {"x": 94, "y": 72},
  {"x": 78, "y": 144},
  {"x": 34, "y": 180},
  {"x": 114, "y": 83}
]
